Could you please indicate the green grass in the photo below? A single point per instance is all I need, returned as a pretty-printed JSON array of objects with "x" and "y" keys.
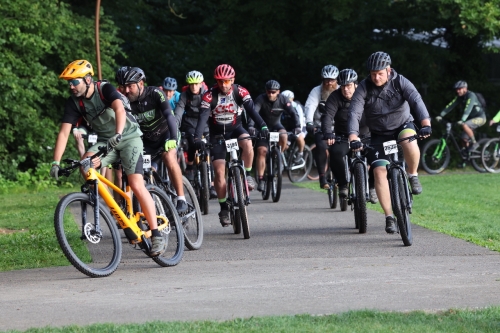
[
  {"x": 463, "y": 205},
  {"x": 456, "y": 321}
]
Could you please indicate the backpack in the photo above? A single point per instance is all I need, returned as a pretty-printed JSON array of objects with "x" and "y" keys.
[
  {"x": 125, "y": 101},
  {"x": 481, "y": 100}
]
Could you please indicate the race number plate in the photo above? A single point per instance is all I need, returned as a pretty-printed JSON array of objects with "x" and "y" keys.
[
  {"x": 146, "y": 161},
  {"x": 232, "y": 145},
  {"x": 92, "y": 138},
  {"x": 390, "y": 147},
  {"x": 274, "y": 136}
]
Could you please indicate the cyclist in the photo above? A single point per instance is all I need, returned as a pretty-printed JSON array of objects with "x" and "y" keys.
[
  {"x": 336, "y": 112},
  {"x": 473, "y": 113},
  {"x": 270, "y": 106},
  {"x": 114, "y": 126},
  {"x": 385, "y": 98},
  {"x": 495, "y": 119},
  {"x": 316, "y": 100},
  {"x": 187, "y": 113},
  {"x": 289, "y": 125},
  {"x": 151, "y": 109},
  {"x": 170, "y": 89},
  {"x": 223, "y": 103}
]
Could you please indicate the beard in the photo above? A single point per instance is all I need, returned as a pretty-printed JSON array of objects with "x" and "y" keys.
[
  {"x": 132, "y": 97},
  {"x": 326, "y": 91}
]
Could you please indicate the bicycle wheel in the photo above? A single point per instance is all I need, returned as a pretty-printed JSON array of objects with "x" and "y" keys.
[
  {"x": 298, "y": 173},
  {"x": 313, "y": 175},
  {"x": 360, "y": 202},
  {"x": 173, "y": 234},
  {"x": 192, "y": 222},
  {"x": 233, "y": 213},
  {"x": 490, "y": 155},
  {"x": 276, "y": 174},
  {"x": 398, "y": 187},
  {"x": 267, "y": 179},
  {"x": 332, "y": 190},
  {"x": 475, "y": 157},
  {"x": 435, "y": 156},
  {"x": 205, "y": 188},
  {"x": 95, "y": 253},
  {"x": 239, "y": 180}
]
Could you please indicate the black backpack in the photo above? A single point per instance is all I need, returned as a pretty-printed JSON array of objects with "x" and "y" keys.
[{"x": 481, "y": 100}]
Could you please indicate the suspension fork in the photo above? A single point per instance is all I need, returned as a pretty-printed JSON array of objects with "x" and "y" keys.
[{"x": 438, "y": 152}]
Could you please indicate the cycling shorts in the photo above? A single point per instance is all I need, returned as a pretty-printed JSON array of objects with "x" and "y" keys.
[
  {"x": 473, "y": 123},
  {"x": 218, "y": 151},
  {"x": 265, "y": 142}
]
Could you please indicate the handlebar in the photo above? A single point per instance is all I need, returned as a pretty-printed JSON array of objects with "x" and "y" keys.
[{"x": 74, "y": 164}]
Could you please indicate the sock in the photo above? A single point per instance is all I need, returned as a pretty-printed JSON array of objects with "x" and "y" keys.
[
  {"x": 181, "y": 197},
  {"x": 301, "y": 154},
  {"x": 155, "y": 233},
  {"x": 223, "y": 205},
  {"x": 248, "y": 169},
  {"x": 411, "y": 175}
]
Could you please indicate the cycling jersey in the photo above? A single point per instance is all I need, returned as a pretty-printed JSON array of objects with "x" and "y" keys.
[
  {"x": 99, "y": 114},
  {"x": 469, "y": 104},
  {"x": 174, "y": 100},
  {"x": 387, "y": 107},
  {"x": 271, "y": 112},
  {"x": 226, "y": 113},
  {"x": 154, "y": 115},
  {"x": 337, "y": 111},
  {"x": 187, "y": 111},
  {"x": 311, "y": 108}
]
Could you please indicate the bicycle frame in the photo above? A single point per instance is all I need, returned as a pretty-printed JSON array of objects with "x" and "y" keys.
[
  {"x": 444, "y": 142},
  {"x": 395, "y": 163}
]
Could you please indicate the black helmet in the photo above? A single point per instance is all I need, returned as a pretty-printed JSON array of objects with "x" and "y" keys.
[
  {"x": 120, "y": 75},
  {"x": 460, "y": 84},
  {"x": 378, "y": 61},
  {"x": 347, "y": 76},
  {"x": 272, "y": 85},
  {"x": 133, "y": 75}
]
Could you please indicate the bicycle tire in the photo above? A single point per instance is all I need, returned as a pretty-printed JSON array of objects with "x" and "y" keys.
[
  {"x": 475, "y": 157},
  {"x": 298, "y": 175},
  {"x": 313, "y": 164},
  {"x": 205, "y": 188},
  {"x": 277, "y": 175},
  {"x": 239, "y": 180},
  {"x": 360, "y": 202},
  {"x": 398, "y": 186},
  {"x": 267, "y": 179},
  {"x": 332, "y": 191},
  {"x": 192, "y": 225},
  {"x": 490, "y": 155},
  {"x": 433, "y": 161},
  {"x": 174, "y": 238},
  {"x": 93, "y": 256},
  {"x": 234, "y": 216}
]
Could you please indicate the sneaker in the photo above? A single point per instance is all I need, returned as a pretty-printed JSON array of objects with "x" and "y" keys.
[
  {"x": 474, "y": 146},
  {"x": 343, "y": 191},
  {"x": 373, "y": 196},
  {"x": 298, "y": 159},
  {"x": 181, "y": 206},
  {"x": 213, "y": 193},
  {"x": 390, "y": 225},
  {"x": 224, "y": 218},
  {"x": 416, "y": 187},
  {"x": 262, "y": 185},
  {"x": 189, "y": 175},
  {"x": 251, "y": 183},
  {"x": 158, "y": 245},
  {"x": 323, "y": 183}
]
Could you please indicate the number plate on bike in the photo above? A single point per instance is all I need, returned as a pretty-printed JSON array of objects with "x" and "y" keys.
[
  {"x": 92, "y": 138},
  {"x": 390, "y": 147},
  {"x": 232, "y": 145},
  {"x": 146, "y": 161},
  {"x": 274, "y": 136}
]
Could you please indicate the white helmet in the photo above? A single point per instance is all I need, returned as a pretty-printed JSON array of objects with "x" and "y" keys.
[
  {"x": 288, "y": 94},
  {"x": 330, "y": 72}
]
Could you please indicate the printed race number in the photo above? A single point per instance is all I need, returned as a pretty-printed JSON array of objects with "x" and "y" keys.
[
  {"x": 146, "y": 161},
  {"x": 390, "y": 147},
  {"x": 274, "y": 136},
  {"x": 232, "y": 145}
]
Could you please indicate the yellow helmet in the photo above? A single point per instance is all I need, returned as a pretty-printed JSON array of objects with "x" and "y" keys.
[{"x": 77, "y": 69}]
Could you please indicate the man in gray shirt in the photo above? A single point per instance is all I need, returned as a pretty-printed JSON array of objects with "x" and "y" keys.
[{"x": 385, "y": 98}]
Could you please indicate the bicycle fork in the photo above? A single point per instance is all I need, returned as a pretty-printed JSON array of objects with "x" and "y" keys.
[{"x": 438, "y": 152}]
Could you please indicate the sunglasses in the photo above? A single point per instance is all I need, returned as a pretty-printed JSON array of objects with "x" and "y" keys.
[
  {"x": 272, "y": 92},
  {"x": 74, "y": 82},
  {"x": 228, "y": 81}
]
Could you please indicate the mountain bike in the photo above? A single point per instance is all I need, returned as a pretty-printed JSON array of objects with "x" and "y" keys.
[
  {"x": 436, "y": 153},
  {"x": 202, "y": 178},
  {"x": 88, "y": 234},
  {"x": 182, "y": 151},
  {"x": 490, "y": 154},
  {"x": 358, "y": 188},
  {"x": 274, "y": 166},
  {"x": 192, "y": 221},
  {"x": 237, "y": 187},
  {"x": 296, "y": 172}
]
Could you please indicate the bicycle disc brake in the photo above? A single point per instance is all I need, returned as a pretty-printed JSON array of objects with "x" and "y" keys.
[{"x": 94, "y": 236}]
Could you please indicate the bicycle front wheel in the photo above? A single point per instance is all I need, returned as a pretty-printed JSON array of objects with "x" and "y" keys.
[
  {"x": 266, "y": 193},
  {"x": 234, "y": 213},
  {"x": 475, "y": 157},
  {"x": 205, "y": 188},
  {"x": 93, "y": 247},
  {"x": 400, "y": 205},
  {"x": 360, "y": 202},
  {"x": 490, "y": 155},
  {"x": 297, "y": 173},
  {"x": 332, "y": 190},
  {"x": 192, "y": 222},
  {"x": 276, "y": 174},
  {"x": 435, "y": 156},
  {"x": 239, "y": 180}
]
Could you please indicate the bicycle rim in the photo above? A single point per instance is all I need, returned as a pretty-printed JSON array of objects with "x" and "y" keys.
[
  {"x": 297, "y": 175},
  {"x": 92, "y": 253},
  {"x": 490, "y": 155},
  {"x": 192, "y": 222},
  {"x": 234, "y": 213}
]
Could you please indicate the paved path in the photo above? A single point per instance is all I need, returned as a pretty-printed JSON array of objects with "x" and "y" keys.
[{"x": 301, "y": 258}]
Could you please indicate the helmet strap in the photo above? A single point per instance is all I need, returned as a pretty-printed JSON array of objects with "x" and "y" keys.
[{"x": 87, "y": 85}]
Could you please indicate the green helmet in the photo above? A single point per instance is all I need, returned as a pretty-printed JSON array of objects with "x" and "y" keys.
[{"x": 194, "y": 77}]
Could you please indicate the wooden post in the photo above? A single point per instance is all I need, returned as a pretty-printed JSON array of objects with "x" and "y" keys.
[{"x": 97, "y": 51}]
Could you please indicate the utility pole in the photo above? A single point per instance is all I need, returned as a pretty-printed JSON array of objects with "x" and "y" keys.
[{"x": 97, "y": 51}]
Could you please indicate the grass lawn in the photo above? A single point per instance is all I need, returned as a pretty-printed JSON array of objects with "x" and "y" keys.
[{"x": 463, "y": 205}]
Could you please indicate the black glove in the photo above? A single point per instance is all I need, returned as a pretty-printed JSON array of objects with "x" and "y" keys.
[
  {"x": 356, "y": 144},
  {"x": 328, "y": 136},
  {"x": 199, "y": 144},
  {"x": 298, "y": 130},
  {"x": 264, "y": 132},
  {"x": 425, "y": 131},
  {"x": 310, "y": 128},
  {"x": 114, "y": 140},
  {"x": 251, "y": 131}
]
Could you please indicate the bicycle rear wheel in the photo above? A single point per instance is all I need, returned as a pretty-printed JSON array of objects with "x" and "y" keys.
[
  {"x": 205, "y": 188},
  {"x": 435, "y": 156},
  {"x": 475, "y": 157},
  {"x": 398, "y": 187},
  {"x": 490, "y": 155},
  {"x": 297, "y": 174},
  {"x": 192, "y": 222},
  {"x": 360, "y": 202},
  {"x": 94, "y": 252},
  {"x": 239, "y": 180},
  {"x": 276, "y": 174}
]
